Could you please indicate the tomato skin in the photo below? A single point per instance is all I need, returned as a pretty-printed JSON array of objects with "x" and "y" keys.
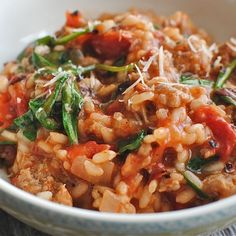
[
  {"x": 74, "y": 19},
  {"x": 108, "y": 46},
  {"x": 6, "y": 115},
  {"x": 222, "y": 131},
  {"x": 19, "y": 100},
  {"x": 86, "y": 149}
]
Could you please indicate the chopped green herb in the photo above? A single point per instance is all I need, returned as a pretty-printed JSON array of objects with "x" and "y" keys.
[
  {"x": 66, "y": 39},
  {"x": 229, "y": 100},
  {"x": 196, "y": 164},
  {"x": 225, "y": 74},
  {"x": 197, "y": 189},
  {"x": 192, "y": 80},
  {"x": 39, "y": 61},
  {"x": 71, "y": 104},
  {"x": 105, "y": 67},
  {"x": 225, "y": 95},
  {"x": 47, "y": 40},
  {"x": 132, "y": 143},
  {"x": 42, "y": 114},
  {"x": 27, "y": 124}
]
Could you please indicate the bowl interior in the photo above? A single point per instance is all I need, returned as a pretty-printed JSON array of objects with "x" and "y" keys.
[{"x": 23, "y": 21}]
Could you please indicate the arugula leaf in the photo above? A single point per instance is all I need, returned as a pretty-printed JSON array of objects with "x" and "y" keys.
[
  {"x": 196, "y": 164},
  {"x": 39, "y": 61},
  {"x": 132, "y": 143},
  {"x": 225, "y": 74},
  {"x": 190, "y": 79}
]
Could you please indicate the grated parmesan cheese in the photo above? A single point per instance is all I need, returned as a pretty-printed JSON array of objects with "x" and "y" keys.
[
  {"x": 217, "y": 62},
  {"x": 231, "y": 46},
  {"x": 161, "y": 62},
  {"x": 18, "y": 100},
  {"x": 192, "y": 47},
  {"x": 233, "y": 40},
  {"x": 148, "y": 63},
  {"x": 54, "y": 80},
  {"x": 140, "y": 79}
]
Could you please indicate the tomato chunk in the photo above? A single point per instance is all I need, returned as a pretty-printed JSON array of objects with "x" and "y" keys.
[
  {"x": 19, "y": 100},
  {"x": 86, "y": 149},
  {"x": 109, "y": 46},
  {"x": 74, "y": 19},
  {"x": 6, "y": 115},
  {"x": 223, "y": 132}
]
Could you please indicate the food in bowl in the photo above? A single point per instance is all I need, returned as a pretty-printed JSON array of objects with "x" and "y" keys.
[{"x": 131, "y": 113}]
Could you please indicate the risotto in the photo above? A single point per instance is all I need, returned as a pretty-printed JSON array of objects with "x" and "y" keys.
[{"x": 131, "y": 113}]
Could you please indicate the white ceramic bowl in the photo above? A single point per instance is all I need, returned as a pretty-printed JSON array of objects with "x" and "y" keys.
[{"x": 24, "y": 20}]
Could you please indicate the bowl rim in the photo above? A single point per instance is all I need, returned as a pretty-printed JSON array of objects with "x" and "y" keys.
[{"x": 56, "y": 208}]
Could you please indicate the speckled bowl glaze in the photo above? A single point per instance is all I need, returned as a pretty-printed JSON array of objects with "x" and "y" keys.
[{"x": 23, "y": 21}]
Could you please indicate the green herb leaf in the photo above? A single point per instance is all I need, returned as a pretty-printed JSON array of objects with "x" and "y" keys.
[
  {"x": 58, "y": 58},
  {"x": 225, "y": 74},
  {"x": 42, "y": 114},
  {"x": 47, "y": 40},
  {"x": 225, "y": 95},
  {"x": 132, "y": 143},
  {"x": 66, "y": 39},
  {"x": 105, "y": 67},
  {"x": 27, "y": 124},
  {"x": 39, "y": 61},
  {"x": 229, "y": 100},
  {"x": 71, "y": 105},
  {"x": 191, "y": 183},
  {"x": 196, "y": 164},
  {"x": 192, "y": 80}
]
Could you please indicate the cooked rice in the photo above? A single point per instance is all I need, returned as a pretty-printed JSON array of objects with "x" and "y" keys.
[{"x": 148, "y": 141}]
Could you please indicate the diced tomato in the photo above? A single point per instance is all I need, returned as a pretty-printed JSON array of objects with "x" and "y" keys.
[
  {"x": 86, "y": 149},
  {"x": 110, "y": 45},
  {"x": 223, "y": 132},
  {"x": 116, "y": 106},
  {"x": 74, "y": 19},
  {"x": 6, "y": 115},
  {"x": 19, "y": 100}
]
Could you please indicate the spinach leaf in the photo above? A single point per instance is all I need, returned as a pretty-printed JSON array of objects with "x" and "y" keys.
[
  {"x": 226, "y": 95},
  {"x": 225, "y": 74},
  {"x": 27, "y": 124},
  {"x": 43, "y": 113},
  {"x": 190, "y": 79},
  {"x": 188, "y": 177},
  {"x": 71, "y": 104},
  {"x": 39, "y": 61},
  {"x": 47, "y": 40},
  {"x": 132, "y": 143},
  {"x": 195, "y": 164}
]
